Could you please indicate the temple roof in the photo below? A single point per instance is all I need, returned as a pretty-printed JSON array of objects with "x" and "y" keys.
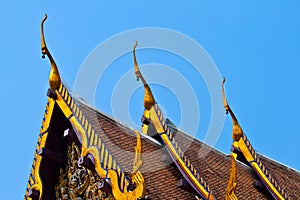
[
  {"x": 164, "y": 179},
  {"x": 167, "y": 163},
  {"x": 214, "y": 167}
]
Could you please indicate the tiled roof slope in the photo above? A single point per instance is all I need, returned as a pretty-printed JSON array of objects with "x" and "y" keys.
[
  {"x": 215, "y": 167},
  {"x": 162, "y": 179},
  {"x": 285, "y": 176}
]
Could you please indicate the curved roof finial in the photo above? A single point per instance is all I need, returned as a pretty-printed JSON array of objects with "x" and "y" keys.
[
  {"x": 149, "y": 100},
  {"x": 237, "y": 131},
  {"x": 54, "y": 78},
  {"x": 138, "y": 150},
  {"x": 232, "y": 184}
]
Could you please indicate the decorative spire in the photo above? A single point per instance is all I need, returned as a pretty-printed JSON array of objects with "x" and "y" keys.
[
  {"x": 149, "y": 100},
  {"x": 232, "y": 181},
  {"x": 54, "y": 78},
  {"x": 244, "y": 145},
  {"x": 237, "y": 131}
]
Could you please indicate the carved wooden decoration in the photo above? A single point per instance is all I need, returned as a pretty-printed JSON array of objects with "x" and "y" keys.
[{"x": 78, "y": 183}]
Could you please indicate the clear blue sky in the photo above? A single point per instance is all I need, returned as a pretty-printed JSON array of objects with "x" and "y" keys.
[{"x": 255, "y": 45}]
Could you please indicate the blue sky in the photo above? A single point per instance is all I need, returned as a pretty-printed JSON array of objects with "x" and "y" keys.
[{"x": 254, "y": 44}]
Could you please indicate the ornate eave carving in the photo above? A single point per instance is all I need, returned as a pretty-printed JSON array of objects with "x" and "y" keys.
[{"x": 78, "y": 183}]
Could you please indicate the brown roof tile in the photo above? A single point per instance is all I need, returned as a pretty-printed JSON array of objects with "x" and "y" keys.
[
  {"x": 287, "y": 178},
  {"x": 162, "y": 179}
]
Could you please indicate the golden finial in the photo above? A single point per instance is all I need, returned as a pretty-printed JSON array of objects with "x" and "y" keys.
[
  {"x": 149, "y": 100},
  {"x": 54, "y": 78},
  {"x": 232, "y": 181},
  {"x": 237, "y": 131}
]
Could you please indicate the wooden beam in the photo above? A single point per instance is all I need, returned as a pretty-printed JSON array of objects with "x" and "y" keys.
[
  {"x": 240, "y": 156},
  {"x": 183, "y": 184},
  {"x": 145, "y": 120},
  {"x": 259, "y": 186},
  {"x": 53, "y": 156},
  {"x": 33, "y": 194},
  {"x": 51, "y": 93}
]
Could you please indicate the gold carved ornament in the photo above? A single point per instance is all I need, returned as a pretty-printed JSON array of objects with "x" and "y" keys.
[
  {"x": 232, "y": 181},
  {"x": 137, "y": 177},
  {"x": 149, "y": 100},
  {"x": 119, "y": 185},
  {"x": 77, "y": 182},
  {"x": 54, "y": 78},
  {"x": 237, "y": 131}
]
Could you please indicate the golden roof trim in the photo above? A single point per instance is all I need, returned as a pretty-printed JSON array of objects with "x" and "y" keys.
[
  {"x": 34, "y": 181},
  {"x": 187, "y": 169}
]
